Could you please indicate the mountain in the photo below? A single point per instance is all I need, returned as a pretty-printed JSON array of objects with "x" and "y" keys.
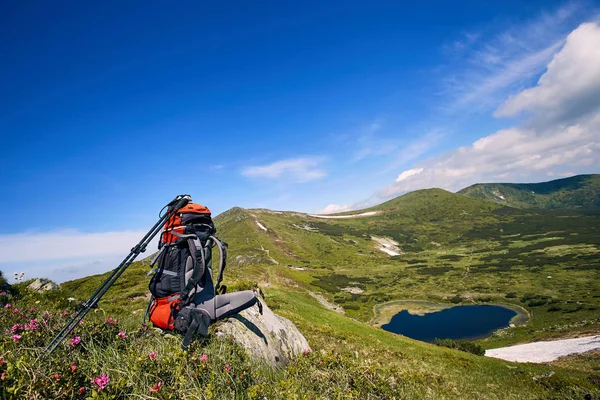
[
  {"x": 339, "y": 277},
  {"x": 581, "y": 191}
]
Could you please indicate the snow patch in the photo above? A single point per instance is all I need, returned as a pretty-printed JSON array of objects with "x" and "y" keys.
[
  {"x": 353, "y": 290},
  {"x": 365, "y": 214},
  {"x": 542, "y": 352},
  {"x": 387, "y": 245},
  {"x": 261, "y": 226},
  {"x": 305, "y": 227}
]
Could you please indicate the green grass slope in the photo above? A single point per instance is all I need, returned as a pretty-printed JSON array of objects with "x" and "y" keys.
[
  {"x": 349, "y": 359},
  {"x": 451, "y": 248},
  {"x": 581, "y": 191}
]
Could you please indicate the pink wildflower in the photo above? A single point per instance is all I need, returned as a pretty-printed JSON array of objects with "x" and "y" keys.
[
  {"x": 3, "y": 376},
  {"x": 227, "y": 367},
  {"x": 32, "y": 325},
  {"x": 76, "y": 340},
  {"x": 3, "y": 294},
  {"x": 16, "y": 328},
  {"x": 64, "y": 314},
  {"x": 111, "y": 320},
  {"x": 57, "y": 377},
  {"x": 16, "y": 337},
  {"x": 152, "y": 355},
  {"x": 8, "y": 305},
  {"x": 156, "y": 387},
  {"x": 73, "y": 367},
  {"x": 121, "y": 335},
  {"x": 101, "y": 381},
  {"x": 47, "y": 315},
  {"x": 204, "y": 358},
  {"x": 81, "y": 390},
  {"x": 307, "y": 351},
  {"x": 16, "y": 311}
]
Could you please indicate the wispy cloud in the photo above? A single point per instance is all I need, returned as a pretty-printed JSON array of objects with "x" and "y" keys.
[
  {"x": 334, "y": 208},
  {"x": 370, "y": 142},
  {"x": 302, "y": 169},
  {"x": 571, "y": 85},
  {"x": 560, "y": 137},
  {"x": 488, "y": 66},
  {"x": 414, "y": 149}
]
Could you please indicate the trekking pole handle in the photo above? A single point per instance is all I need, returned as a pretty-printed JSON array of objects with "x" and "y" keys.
[{"x": 178, "y": 202}]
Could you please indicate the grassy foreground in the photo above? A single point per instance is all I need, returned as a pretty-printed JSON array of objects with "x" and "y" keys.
[{"x": 111, "y": 355}]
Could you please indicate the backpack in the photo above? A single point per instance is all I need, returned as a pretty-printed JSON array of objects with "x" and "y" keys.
[{"x": 183, "y": 264}]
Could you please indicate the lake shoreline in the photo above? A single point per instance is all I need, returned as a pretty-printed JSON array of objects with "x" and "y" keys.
[{"x": 384, "y": 312}]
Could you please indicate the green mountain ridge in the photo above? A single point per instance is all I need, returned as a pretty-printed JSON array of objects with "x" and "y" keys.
[
  {"x": 581, "y": 191},
  {"x": 450, "y": 248}
]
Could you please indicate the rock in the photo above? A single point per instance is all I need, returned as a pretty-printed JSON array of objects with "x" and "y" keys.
[
  {"x": 42, "y": 285},
  {"x": 544, "y": 375},
  {"x": 268, "y": 336}
]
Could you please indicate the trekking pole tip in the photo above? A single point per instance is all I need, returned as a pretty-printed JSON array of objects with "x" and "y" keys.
[{"x": 180, "y": 201}]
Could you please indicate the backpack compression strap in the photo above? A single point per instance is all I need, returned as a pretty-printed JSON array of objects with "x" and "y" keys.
[{"x": 222, "y": 246}]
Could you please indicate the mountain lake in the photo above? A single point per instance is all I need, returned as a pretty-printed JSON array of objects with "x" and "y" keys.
[{"x": 459, "y": 323}]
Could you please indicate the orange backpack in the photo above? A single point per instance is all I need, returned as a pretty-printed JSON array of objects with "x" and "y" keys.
[{"x": 184, "y": 263}]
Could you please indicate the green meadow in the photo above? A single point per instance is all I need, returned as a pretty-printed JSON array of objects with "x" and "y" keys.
[{"x": 451, "y": 249}]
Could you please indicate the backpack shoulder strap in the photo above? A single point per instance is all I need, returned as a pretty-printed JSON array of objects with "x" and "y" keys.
[
  {"x": 199, "y": 265},
  {"x": 222, "y": 246}
]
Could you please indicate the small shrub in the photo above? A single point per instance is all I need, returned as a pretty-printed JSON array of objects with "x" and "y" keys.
[
  {"x": 461, "y": 345},
  {"x": 456, "y": 299},
  {"x": 537, "y": 302},
  {"x": 511, "y": 295}
]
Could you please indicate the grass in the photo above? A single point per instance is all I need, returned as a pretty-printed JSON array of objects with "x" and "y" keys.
[{"x": 454, "y": 247}]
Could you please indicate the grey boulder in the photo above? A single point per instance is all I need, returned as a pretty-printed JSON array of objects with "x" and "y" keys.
[
  {"x": 42, "y": 285},
  {"x": 268, "y": 336}
]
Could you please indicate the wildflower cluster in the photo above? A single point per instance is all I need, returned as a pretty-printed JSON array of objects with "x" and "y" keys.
[{"x": 145, "y": 363}]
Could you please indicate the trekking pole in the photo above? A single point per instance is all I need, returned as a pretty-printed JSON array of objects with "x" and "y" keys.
[{"x": 177, "y": 203}]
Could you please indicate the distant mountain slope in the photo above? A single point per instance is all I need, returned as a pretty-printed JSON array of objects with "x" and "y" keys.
[{"x": 581, "y": 191}]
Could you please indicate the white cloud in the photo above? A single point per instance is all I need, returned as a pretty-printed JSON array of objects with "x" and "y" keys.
[
  {"x": 407, "y": 174},
  {"x": 67, "y": 254},
  {"x": 571, "y": 85},
  {"x": 484, "y": 70},
  {"x": 334, "y": 208},
  {"x": 562, "y": 135},
  {"x": 514, "y": 153},
  {"x": 303, "y": 169}
]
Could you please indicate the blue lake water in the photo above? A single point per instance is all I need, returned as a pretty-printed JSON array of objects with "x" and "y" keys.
[{"x": 460, "y": 323}]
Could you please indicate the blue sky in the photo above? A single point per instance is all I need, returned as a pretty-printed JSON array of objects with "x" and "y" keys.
[{"x": 111, "y": 109}]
